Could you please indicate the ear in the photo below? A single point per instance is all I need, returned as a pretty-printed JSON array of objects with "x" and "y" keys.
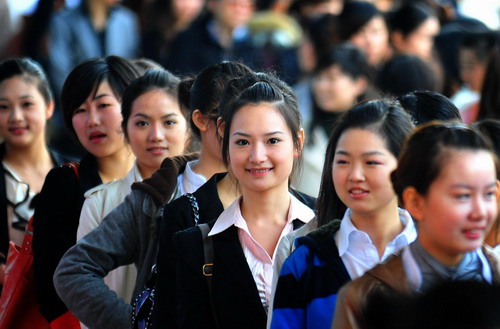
[
  {"x": 413, "y": 202},
  {"x": 50, "y": 110},
  {"x": 301, "y": 137},
  {"x": 361, "y": 85},
  {"x": 498, "y": 191},
  {"x": 398, "y": 41},
  {"x": 200, "y": 121},
  {"x": 220, "y": 127}
]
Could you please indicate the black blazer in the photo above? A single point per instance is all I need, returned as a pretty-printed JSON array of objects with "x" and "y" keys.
[
  {"x": 57, "y": 159},
  {"x": 234, "y": 301},
  {"x": 57, "y": 214}
]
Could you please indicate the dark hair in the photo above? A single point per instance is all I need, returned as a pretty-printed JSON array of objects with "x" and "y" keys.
[
  {"x": 255, "y": 88},
  {"x": 153, "y": 79},
  {"x": 354, "y": 16},
  {"x": 481, "y": 43},
  {"x": 143, "y": 64},
  {"x": 407, "y": 18},
  {"x": 385, "y": 118},
  {"x": 28, "y": 70},
  {"x": 204, "y": 92},
  {"x": 424, "y": 152},
  {"x": 350, "y": 59},
  {"x": 86, "y": 77},
  {"x": 489, "y": 104},
  {"x": 406, "y": 73},
  {"x": 425, "y": 106}
]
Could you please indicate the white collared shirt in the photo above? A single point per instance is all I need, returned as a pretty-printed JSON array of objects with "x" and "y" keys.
[
  {"x": 357, "y": 250},
  {"x": 189, "y": 181},
  {"x": 259, "y": 261}
]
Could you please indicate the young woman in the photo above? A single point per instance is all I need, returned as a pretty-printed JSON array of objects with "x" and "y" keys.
[
  {"x": 26, "y": 103},
  {"x": 155, "y": 126},
  {"x": 211, "y": 198},
  {"x": 491, "y": 129},
  {"x": 133, "y": 224},
  {"x": 413, "y": 28},
  {"x": 447, "y": 179},
  {"x": 261, "y": 146},
  {"x": 340, "y": 79},
  {"x": 356, "y": 188},
  {"x": 91, "y": 104}
]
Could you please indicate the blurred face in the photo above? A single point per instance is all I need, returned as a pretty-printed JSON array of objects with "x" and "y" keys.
[
  {"x": 97, "y": 123},
  {"x": 23, "y": 112},
  {"x": 361, "y": 173},
  {"x": 421, "y": 41},
  {"x": 187, "y": 10},
  {"x": 335, "y": 91},
  {"x": 333, "y": 7},
  {"x": 460, "y": 206},
  {"x": 373, "y": 39},
  {"x": 472, "y": 70},
  {"x": 233, "y": 13},
  {"x": 156, "y": 129},
  {"x": 261, "y": 148}
]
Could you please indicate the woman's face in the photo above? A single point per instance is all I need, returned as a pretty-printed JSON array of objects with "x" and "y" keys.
[
  {"x": 421, "y": 41},
  {"x": 156, "y": 129},
  {"x": 472, "y": 69},
  {"x": 460, "y": 206},
  {"x": 336, "y": 91},
  {"x": 373, "y": 39},
  {"x": 261, "y": 148},
  {"x": 23, "y": 112},
  {"x": 187, "y": 10},
  {"x": 361, "y": 170},
  {"x": 97, "y": 123}
]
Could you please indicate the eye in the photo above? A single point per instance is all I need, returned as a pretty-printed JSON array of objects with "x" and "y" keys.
[
  {"x": 490, "y": 195},
  {"x": 341, "y": 162},
  {"x": 3, "y": 107},
  {"x": 78, "y": 111},
  {"x": 274, "y": 141},
  {"x": 141, "y": 123},
  {"x": 462, "y": 196},
  {"x": 103, "y": 106},
  {"x": 170, "y": 122},
  {"x": 27, "y": 104},
  {"x": 372, "y": 163},
  {"x": 242, "y": 142}
]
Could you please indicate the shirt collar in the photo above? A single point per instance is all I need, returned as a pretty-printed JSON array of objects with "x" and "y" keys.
[
  {"x": 408, "y": 235},
  {"x": 232, "y": 215}
]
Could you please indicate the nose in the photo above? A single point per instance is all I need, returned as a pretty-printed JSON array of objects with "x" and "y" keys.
[
  {"x": 258, "y": 153},
  {"x": 356, "y": 174},
  {"x": 16, "y": 115},
  {"x": 156, "y": 133},
  {"x": 92, "y": 118},
  {"x": 479, "y": 209}
]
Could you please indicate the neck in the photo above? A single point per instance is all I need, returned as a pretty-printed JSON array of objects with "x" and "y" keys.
[
  {"x": 115, "y": 166},
  {"x": 268, "y": 206},
  {"x": 440, "y": 254},
  {"x": 208, "y": 165},
  {"x": 228, "y": 190},
  {"x": 382, "y": 227},
  {"x": 98, "y": 14},
  {"x": 224, "y": 34},
  {"x": 35, "y": 154}
]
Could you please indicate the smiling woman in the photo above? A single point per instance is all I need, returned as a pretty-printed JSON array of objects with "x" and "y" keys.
[{"x": 155, "y": 128}]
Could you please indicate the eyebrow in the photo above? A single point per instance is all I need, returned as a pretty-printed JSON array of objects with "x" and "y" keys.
[
  {"x": 21, "y": 97},
  {"x": 493, "y": 184},
  {"x": 142, "y": 115},
  {"x": 96, "y": 97},
  {"x": 267, "y": 134},
  {"x": 342, "y": 152}
]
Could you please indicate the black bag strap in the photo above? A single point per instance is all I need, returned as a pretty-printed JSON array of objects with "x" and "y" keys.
[{"x": 208, "y": 249}]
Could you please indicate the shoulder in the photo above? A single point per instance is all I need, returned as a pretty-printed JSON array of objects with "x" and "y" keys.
[{"x": 123, "y": 13}]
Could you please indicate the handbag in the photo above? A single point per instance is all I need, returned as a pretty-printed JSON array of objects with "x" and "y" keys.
[{"x": 18, "y": 306}]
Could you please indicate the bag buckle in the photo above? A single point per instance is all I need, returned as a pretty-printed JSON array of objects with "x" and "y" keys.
[{"x": 208, "y": 269}]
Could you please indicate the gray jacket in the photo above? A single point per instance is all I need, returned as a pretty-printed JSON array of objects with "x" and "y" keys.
[{"x": 127, "y": 235}]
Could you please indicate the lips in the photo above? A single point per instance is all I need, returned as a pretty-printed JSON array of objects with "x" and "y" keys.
[
  {"x": 259, "y": 171},
  {"x": 18, "y": 130},
  {"x": 96, "y": 136},
  {"x": 357, "y": 192},
  {"x": 158, "y": 150},
  {"x": 474, "y": 234}
]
